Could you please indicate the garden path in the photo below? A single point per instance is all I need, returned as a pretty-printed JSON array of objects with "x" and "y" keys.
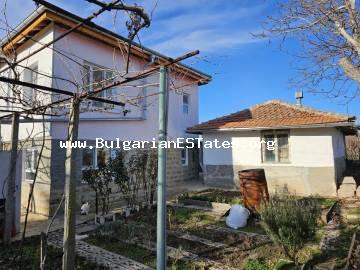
[{"x": 98, "y": 255}]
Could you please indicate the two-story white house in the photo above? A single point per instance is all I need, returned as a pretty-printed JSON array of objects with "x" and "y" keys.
[{"x": 79, "y": 62}]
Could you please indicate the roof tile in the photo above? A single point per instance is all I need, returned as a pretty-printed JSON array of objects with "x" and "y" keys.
[{"x": 273, "y": 113}]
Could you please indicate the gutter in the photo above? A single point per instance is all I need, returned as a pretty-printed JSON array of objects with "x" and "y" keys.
[
  {"x": 341, "y": 124},
  {"x": 65, "y": 120}
]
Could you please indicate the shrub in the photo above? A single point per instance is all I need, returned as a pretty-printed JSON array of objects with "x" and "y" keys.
[
  {"x": 99, "y": 180},
  {"x": 290, "y": 222},
  {"x": 253, "y": 264}
]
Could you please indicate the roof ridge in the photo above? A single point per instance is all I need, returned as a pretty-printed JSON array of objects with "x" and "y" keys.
[
  {"x": 286, "y": 114},
  {"x": 301, "y": 108}
]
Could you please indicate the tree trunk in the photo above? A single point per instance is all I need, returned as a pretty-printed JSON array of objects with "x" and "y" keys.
[
  {"x": 70, "y": 189},
  {"x": 11, "y": 182}
]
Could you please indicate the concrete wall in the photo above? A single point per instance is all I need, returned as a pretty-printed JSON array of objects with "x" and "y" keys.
[
  {"x": 44, "y": 60},
  {"x": 311, "y": 169}
]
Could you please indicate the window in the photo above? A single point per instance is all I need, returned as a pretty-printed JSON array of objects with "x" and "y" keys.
[
  {"x": 88, "y": 158},
  {"x": 275, "y": 146},
  {"x": 185, "y": 103},
  {"x": 95, "y": 77},
  {"x": 30, "y": 75},
  {"x": 93, "y": 158},
  {"x": 31, "y": 156},
  {"x": 9, "y": 91},
  {"x": 184, "y": 157}
]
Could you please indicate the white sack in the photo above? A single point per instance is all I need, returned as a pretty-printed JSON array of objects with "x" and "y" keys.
[{"x": 238, "y": 216}]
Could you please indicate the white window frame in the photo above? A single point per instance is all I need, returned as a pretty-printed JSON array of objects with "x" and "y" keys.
[
  {"x": 275, "y": 133},
  {"x": 33, "y": 163},
  {"x": 184, "y": 161},
  {"x": 33, "y": 69},
  {"x": 94, "y": 158},
  {"x": 186, "y": 106},
  {"x": 90, "y": 87}
]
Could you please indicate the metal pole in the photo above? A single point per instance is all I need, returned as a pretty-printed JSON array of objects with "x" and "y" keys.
[
  {"x": 70, "y": 189},
  {"x": 161, "y": 252},
  {"x": 11, "y": 182}
]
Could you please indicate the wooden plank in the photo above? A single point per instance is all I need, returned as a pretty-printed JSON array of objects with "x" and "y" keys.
[{"x": 25, "y": 32}]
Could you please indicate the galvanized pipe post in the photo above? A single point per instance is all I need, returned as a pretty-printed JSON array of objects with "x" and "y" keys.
[{"x": 161, "y": 251}]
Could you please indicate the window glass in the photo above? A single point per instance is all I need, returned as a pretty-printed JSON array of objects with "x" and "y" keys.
[
  {"x": 86, "y": 77},
  {"x": 184, "y": 156},
  {"x": 269, "y": 154},
  {"x": 185, "y": 104},
  {"x": 30, "y": 75},
  {"x": 96, "y": 77},
  {"x": 88, "y": 158},
  {"x": 280, "y": 150},
  {"x": 31, "y": 156},
  {"x": 103, "y": 156},
  {"x": 283, "y": 147}
]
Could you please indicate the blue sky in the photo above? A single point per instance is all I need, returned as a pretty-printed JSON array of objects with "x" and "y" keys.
[{"x": 246, "y": 70}]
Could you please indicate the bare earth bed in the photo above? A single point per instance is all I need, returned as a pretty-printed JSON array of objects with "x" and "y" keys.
[{"x": 202, "y": 235}]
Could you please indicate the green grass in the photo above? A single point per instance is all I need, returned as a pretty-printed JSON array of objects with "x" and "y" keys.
[
  {"x": 255, "y": 264},
  {"x": 184, "y": 216},
  {"x": 214, "y": 195}
]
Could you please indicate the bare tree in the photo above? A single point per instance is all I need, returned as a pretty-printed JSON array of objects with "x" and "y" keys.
[
  {"x": 353, "y": 147},
  {"x": 328, "y": 35}
]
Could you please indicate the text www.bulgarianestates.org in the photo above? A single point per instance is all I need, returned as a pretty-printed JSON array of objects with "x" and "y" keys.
[{"x": 178, "y": 143}]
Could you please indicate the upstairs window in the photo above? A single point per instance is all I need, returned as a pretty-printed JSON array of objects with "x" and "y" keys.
[
  {"x": 275, "y": 146},
  {"x": 31, "y": 156},
  {"x": 186, "y": 103},
  {"x": 9, "y": 90},
  {"x": 96, "y": 77},
  {"x": 30, "y": 75}
]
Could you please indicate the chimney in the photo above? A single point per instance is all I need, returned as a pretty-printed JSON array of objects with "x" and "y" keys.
[{"x": 299, "y": 95}]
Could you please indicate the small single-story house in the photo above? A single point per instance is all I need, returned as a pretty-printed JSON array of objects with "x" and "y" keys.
[{"x": 308, "y": 155}]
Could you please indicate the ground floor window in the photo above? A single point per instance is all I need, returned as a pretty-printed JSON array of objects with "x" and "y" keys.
[
  {"x": 184, "y": 156},
  {"x": 279, "y": 152},
  {"x": 31, "y": 156},
  {"x": 93, "y": 158}
]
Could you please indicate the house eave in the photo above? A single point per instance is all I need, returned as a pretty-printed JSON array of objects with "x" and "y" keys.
[
  {"x": 57, "y": 15},
  {"x": 339, "y": 124}
]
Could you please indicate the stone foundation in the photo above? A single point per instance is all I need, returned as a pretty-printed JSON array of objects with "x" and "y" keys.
[{"x": 176, "y": 174}]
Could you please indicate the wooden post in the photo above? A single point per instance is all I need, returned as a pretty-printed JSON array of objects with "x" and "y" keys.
[
  {"x": 11, "y": 182},
  {"x": 70, "y": 189}
]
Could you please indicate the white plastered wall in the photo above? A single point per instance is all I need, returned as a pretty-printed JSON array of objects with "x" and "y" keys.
[
  {"x": 307, "y": 147},
  {"x": 141, "y": 123},
  {"x": 44, "y": 61}
]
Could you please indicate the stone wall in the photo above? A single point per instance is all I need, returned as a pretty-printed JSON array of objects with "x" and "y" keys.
[
  {"x": 280, "y": 179},
  {"x": 176, "y": 174}
]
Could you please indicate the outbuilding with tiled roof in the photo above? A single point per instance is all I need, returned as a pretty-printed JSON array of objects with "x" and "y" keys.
[{"x": 301, "y": 149}]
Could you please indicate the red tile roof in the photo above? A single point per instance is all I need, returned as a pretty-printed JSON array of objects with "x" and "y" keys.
[{"x": 273, "y": 114}]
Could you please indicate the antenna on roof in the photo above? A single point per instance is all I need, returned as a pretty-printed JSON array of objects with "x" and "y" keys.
[{"x": 299, "y": 95}]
